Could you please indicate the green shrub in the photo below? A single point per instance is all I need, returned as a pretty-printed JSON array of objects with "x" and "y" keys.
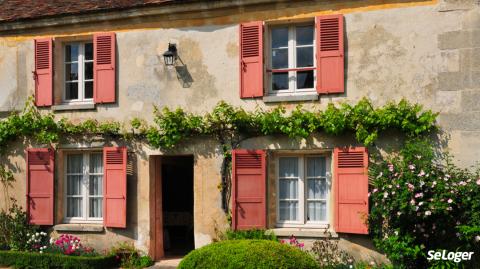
[
  {"x": 421, "y": 201},
  {"x": 248, "y": 254},
  {"x": 130, "y": 257},
  {"x": 14, "y": 228},
  {"x": 250, "y": 234},
  {"x": 19, "y": 259}
]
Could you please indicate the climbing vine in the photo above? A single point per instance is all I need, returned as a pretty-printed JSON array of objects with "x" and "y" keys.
[{"x": 229, "y": 125}]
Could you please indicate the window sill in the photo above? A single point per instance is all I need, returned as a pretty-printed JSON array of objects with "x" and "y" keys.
[
  {"x": 290, "y": 98},
  {"x": 303, "y": 232},
  {"x": 73, "y": 107},
  {"x": 96, "y": 228}
]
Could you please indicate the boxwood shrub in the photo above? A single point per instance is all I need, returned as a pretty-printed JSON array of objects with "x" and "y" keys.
[
  {"x": 248, "y": 254},
  {"x": 19, "y": 259}
]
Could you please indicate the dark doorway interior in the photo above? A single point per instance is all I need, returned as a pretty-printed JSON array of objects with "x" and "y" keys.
[{"x": 177, "y": 190}]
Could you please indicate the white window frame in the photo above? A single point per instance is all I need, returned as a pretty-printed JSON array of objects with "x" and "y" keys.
[
  {"x": 302, "y": 192},
  {"x": 85, "y": 189},
  {"x": 81, "y": 74},
  {"x": 292, "y": 61}
]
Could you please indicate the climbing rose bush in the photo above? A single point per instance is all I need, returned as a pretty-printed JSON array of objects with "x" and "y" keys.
[{"x": 421, "y": 201}]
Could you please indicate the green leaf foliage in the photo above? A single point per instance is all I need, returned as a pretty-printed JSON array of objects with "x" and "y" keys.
[
  {"x": 242, "y": 254},
  {"x": 18, "y": 259},
  {"x": 226, "y": 122}
]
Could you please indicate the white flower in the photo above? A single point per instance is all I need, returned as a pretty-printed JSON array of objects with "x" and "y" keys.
[
  {"x": 374, "y": 190},
  {"x": 385, "y": 194},
  {"x": 396, "y": 232},
  {"x": 399, "y": 213},
  {"x": 411, "y": 167},
  {"x": 393, "y": 192},
  {"x": 449, "y": 201},
  {"x": 416, "y": 208},
  {"x": 421, "y": 203},
  {"x": 478, "y": 181},
  {"x": 477, "y": 238},
  {"x": 37, "y": 234},
  {"x": 421, "y": 174},
  {"x": 428, "y": 213},
  {"x": 28, "y": 234},
  {"x": 41, "y": 252},
  {"x": 380, "y": 175},
  {"x": 412, "y": 202}
]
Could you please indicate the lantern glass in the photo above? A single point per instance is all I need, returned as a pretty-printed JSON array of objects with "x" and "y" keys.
[{"x": 170, "y": 56}]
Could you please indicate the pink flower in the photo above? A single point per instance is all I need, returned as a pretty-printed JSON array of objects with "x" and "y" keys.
[
  {"x": 374, "y": 190},
  {"x": 411, "y": 167},
  {"x": 478, "y": 181},
  {"x": 390, "y": 167},
  {"x": 419, "y": 195},
  {"x": 449, "y": 201},
  {"x": 421, "y": 174}
]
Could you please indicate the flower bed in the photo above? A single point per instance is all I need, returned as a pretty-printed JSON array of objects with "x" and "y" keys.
[{"x": 20, "y": 259}]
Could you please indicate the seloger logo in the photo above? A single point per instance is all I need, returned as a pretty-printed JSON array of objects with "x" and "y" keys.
[{"x": 450, "y": 256}]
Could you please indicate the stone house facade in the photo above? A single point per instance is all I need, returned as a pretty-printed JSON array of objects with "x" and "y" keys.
[{"x": 105, "y": 61}]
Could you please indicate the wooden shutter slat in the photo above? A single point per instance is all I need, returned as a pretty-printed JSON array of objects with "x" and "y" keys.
[
  {"x": 115, "y": 187},
  {"x": 330, "y": 54},
  {"x": 104, "y": 75},
  {"x": 43, "y": 74},
  {"x": 351, "y": 190},
  {"x": 248, "y": 189},
  {"x": 40, "y": 185},
  {"x": 251, "y": 59}
]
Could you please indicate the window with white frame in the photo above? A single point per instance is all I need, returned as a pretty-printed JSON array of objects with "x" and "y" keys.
[
  {"x": 78, "y": 72},
  {"x": 84, "y": 187},
  {"x": 303, "y": 190},
  {"x": 292, "y": 59}
]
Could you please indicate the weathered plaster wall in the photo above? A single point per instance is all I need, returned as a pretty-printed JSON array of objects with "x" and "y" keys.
[{"x": 424, "y": 51}]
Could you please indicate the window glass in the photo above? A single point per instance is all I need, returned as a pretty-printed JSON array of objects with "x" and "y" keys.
[
  {"x": 78, "y": 72},
  {"x": 305, "y": 79},
  {"x": 302, "y": 193},
  {"x": 280, "y": 81},
  {"x": 304, "y": 35},
  {"x": 292, "y": 47},
  {"x": 88, "y": 51},
  {"x": 71, "y": 53},
  {"x": 84, "y": 186}
]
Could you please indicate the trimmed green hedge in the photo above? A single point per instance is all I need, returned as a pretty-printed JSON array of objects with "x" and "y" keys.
[
  {"x": 18, "y": 259},
  {"x": 248, "y": 254}
]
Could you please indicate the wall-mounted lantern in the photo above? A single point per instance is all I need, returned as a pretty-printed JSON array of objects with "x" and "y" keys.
[{"x": 170, "y": 56}]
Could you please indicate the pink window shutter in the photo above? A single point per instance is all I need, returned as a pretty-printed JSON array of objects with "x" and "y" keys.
[
  {"x": 43, "y": 74},
  {"x": 330, "y": 54},
  {"x": 115, "y": 187},
  {"x": 104, "y": 74},
  {"x": 40, "y": 171},
  {"x": 249, "y": 189},
  {"x": 351, "y": 190},
  {"x": 251, "y": 59}
]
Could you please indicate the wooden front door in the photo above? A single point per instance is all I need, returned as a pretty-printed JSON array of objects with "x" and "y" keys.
[{"x": 156, "y": 210}]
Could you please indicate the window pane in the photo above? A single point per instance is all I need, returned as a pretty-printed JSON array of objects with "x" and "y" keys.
[
  {"x": 74, "y": 185},
  {"x": 288, "y": 167},
  {"x": 71, "y": 53},
  {"x": 95, "y": 185},
  {"x": 305, "y": 35},
  {"x": 71, "y": 71},
  {"x": 88, "y": 51},
  {"x": 88, "y": 89},
  {"x": 305, "y": 57},
  {"x": 288, "y": 210},
  {"x": 74, "y": 207},
  {"x": 279, "y": 58},
  {"x": 74, "y": 163},
  {"x": 317, "y": 211},
  {"x": 96, "y": 163},
  {"x": 279, "y": 37},
  {"x": 89, "y": 70},
  {"x": 316, "y": 167},
  {"x": 317, "y": 188},
  {"x": 305, "y": 79},
  {"x": 95, "y": 210},
  {"x": 288, "y": 188},
  {"x": 280, "y": 81},
  {"x": 71, "y": 90}
]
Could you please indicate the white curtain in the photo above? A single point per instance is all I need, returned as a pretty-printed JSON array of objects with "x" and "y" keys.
[
  {"x": 316, "y": 189},
  {"x": 288, "y": 188},
  {"x": 74, "y": 185},
  {"x": 96, "y": 186}
]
